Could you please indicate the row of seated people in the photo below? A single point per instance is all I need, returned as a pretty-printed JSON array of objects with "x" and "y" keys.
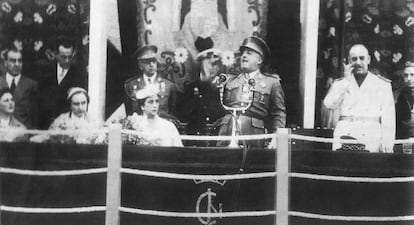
[
  {"x": 40, "y": 95},
  {"x": 152, "y": 129}
]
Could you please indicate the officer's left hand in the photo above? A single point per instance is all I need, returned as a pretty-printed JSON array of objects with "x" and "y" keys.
[{"x": 272, "y": 144}]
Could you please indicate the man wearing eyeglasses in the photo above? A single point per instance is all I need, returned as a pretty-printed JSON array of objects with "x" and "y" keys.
[
  {"x": 365, "y": 103},
  {"x": 147, "y": 62},
  {"x": 25, "y": 90},
  {"x": 58, "y": 78}
]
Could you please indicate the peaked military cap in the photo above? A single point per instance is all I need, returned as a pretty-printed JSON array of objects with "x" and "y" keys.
[
  {"x": 256, "y": 44},
  {"x": 205, "y": 46},
  {"x": 146, "y": 52}
]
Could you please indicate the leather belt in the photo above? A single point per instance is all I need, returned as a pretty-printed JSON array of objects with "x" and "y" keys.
[{"x": 360, "y": 118}]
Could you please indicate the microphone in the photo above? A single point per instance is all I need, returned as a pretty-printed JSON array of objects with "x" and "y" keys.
[{"x": 223, "y": 78}]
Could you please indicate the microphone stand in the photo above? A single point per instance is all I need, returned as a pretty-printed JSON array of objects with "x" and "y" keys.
[{"x": 236, "y": 111}]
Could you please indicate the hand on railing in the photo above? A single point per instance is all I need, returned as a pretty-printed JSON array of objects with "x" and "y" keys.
[{"x": 272, "y": 144}]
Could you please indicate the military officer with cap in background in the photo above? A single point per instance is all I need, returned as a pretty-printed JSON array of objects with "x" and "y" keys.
[
  {"x": 200, "y": 104},
  {"x": 147, "y": 62},
  {"x": 267, "y": 111}
]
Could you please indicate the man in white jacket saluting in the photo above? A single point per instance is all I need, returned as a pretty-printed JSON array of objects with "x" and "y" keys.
[{"x": 365, "y": 103}]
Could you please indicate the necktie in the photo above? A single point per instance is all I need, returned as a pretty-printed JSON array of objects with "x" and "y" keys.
[
  {"x": 149, "y": 80},
  {"x": 13, "y": 85}
]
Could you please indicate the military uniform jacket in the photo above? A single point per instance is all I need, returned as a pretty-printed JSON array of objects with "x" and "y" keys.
[
  {"x": 167, "y": 95},
  {"x": 369, "y": 110},
  {"x": 200, "y": 105},
  {"x": 268, "y": 107}
]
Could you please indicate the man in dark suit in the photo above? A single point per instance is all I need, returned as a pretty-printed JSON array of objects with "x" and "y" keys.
[
  {"x": 404, "y": 107},
  {"x": 267, "y": 111},
  {"x": 25, "y": 90},
  {"x": 147, "y": 63},
  {"x": 57, "y": 80},
  {"x": 200, "y": 105}
]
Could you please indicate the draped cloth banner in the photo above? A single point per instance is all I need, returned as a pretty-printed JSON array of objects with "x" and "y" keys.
[{"x": 176, "y": 24}]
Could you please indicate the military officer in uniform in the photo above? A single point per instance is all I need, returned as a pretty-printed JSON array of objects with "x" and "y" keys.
[
  {"x": 365, "y": 103},
  {"x": 147, "y": 63},
  {"x": 200, "y": 105},
  {"x": 267, "y": 111}
]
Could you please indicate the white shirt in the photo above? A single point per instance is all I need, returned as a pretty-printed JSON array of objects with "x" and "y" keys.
[
  {"x": 372, "y": 103},
  {"x": 152, "y": 79},
  {"x": 61, "y": 73},
  {"x": 9, "y": 79}
]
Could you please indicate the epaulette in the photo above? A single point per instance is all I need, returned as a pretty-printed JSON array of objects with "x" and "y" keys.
[
  {"x": 272, "y": 75},
  {"x": 126, "y": 87},
  {"x": 383, "y": 78},
  {"x": 130, "y": 79}
]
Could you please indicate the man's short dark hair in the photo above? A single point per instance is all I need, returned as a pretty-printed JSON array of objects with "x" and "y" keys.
[
  {"x": 4, "y": 91},
  {"x": 11, "y": 49},
  {"x": 65, "y": 42}
]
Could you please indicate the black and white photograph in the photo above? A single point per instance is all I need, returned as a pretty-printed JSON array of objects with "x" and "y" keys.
[{"x": 206, "y": 112}]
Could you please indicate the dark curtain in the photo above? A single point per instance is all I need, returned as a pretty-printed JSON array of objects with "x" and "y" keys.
[
  {"x": 35, "y": 25},
  {"x": 283, "y": 37},
  {"x": 120, "y": 65}
]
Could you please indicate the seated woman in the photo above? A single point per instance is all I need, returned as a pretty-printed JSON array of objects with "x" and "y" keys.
[
  {"x": 76, "y": 119},
  {"x": 7, "y": 120},
  {"x": 155, "y": 130}
]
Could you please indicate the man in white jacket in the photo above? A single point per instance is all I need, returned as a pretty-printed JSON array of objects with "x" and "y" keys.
[{"x": 365, "y": 103}]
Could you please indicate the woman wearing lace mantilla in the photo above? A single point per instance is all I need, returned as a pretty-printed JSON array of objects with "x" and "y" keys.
[{"x": 154, "y": 130}]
